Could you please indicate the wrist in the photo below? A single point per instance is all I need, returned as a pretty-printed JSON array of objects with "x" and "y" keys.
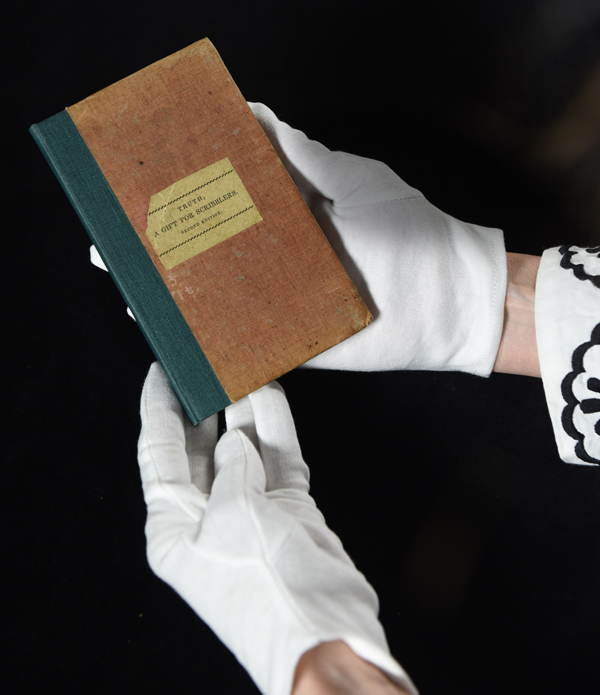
[
  {"x": 332, "y": 668},
  {"x": 517, "y": 353}
]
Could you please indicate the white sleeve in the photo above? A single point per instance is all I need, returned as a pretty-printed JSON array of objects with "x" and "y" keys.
[{"x": 567, "y": 318}]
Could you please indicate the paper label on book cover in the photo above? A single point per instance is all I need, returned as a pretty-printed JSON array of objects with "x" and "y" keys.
[{"x": 198, "y": 212}]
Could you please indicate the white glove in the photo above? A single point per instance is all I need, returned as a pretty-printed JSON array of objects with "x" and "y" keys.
[
  {"x": 232, "y": 528},
  {"x": 436, "y": 286}
]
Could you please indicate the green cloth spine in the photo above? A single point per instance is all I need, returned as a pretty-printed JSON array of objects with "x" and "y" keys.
[{"x": 164, "y": 327}]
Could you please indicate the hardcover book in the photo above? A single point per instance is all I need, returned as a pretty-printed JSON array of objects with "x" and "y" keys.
[{"x": 212, "y": 246}]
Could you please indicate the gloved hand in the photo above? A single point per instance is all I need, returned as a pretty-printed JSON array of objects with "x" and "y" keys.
[
  {"x": 435, "y": 286},
  {"x": 232, "y": 528}
]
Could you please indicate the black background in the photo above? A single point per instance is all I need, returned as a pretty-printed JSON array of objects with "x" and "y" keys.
[{"x": 446, "y": 489}]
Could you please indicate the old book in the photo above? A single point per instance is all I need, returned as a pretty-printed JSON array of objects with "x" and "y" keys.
[{"x": 212, "y": 246}]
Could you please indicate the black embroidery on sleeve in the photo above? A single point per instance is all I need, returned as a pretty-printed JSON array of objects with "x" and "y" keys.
[
  {"x": 579, "y": 269},
  {"x": 587, "y": 405}
]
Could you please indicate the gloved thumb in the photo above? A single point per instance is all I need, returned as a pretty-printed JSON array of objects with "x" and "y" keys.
[
  {"x": 343, "y": 178},
  {"x": 96, "y": 260}
]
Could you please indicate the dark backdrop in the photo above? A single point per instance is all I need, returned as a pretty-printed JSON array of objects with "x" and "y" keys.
[{"x": 446, "y": 489}]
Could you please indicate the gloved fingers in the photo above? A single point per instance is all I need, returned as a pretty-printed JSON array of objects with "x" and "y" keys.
[
  {"x": 240, "y": 522},
  {"x": 265, "y": 418},
  {"x": 238, "y": 471},
  {"x": 96, "y": 259},
  {"x": 278, "y": 442},
  {"x": 239, "y": 416},
  {"x": 200, "y": 443},
  {"x": 343, "y": 178},
  {"x": 163, "y": 446}
]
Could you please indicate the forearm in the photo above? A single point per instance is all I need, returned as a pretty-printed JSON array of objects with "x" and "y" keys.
[
  {"x": 332, "y": 668},
  {"x": 518, "y": 353}
]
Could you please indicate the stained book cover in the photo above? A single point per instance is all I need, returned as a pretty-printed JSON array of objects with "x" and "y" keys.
[{"x": 212, "y": 246}]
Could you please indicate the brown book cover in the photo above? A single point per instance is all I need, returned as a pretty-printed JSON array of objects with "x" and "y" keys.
[{"x": 202, "y": 228}]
